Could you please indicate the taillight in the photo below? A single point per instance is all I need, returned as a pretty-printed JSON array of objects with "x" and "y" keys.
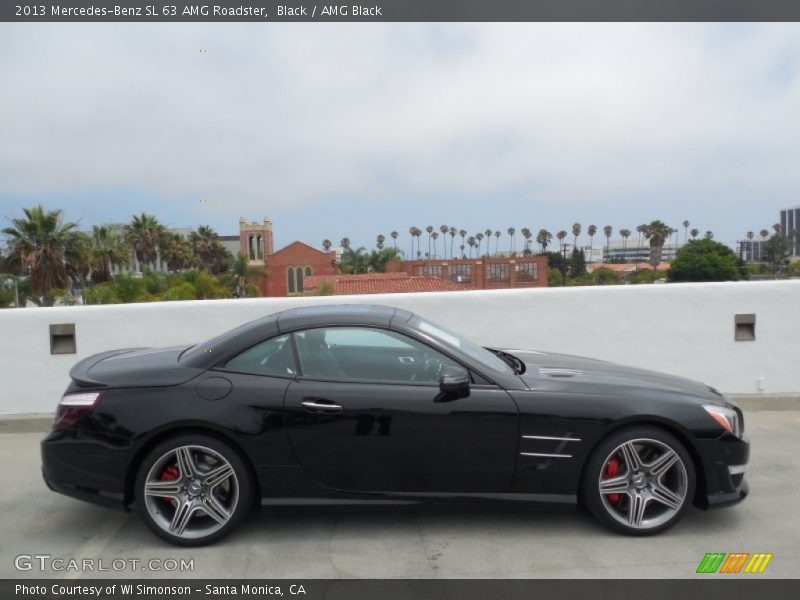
[{"x": 74, "y": 407}]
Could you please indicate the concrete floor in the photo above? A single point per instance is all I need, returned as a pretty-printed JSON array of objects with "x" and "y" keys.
[{"x": 416, "y": 542}]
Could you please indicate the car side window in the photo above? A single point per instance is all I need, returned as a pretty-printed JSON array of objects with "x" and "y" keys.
[
  {"x": 364, "y": 354},
  {"x": 274, "y": 357}
]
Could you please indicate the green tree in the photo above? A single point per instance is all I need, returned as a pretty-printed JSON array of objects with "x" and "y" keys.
[
  {"x": 776, "y": 252},
  {"x": 705, "y": 260},
  {"x": 378, "y": 259},
  {"x": 108, "y": 250},
  {"x": 176, "y": 252},
  {"x": 325, "y": 288},
  {"x": 40, "y": 245},
  {"x": 145, "y": 234},
  {"x": 658, "y": 233},
  {"x": 605, "y": 276},
  {"x": 577, "y": 263}
]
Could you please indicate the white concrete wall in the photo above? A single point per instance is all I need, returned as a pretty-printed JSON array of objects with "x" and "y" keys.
[{"x": 684, "y": 329}]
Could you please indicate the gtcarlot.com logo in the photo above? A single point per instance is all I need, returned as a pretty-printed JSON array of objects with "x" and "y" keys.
[{"x": 734, "y": 562}]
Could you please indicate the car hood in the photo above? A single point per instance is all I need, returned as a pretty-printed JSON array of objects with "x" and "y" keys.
[
  {"x": 581, "y": 370},
  {"x": 133, "y": 367}
]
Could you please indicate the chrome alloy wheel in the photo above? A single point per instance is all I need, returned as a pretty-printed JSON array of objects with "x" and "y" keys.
[
  {"x": 643, "y": 483},
  {"x": 191, "y": 491}
]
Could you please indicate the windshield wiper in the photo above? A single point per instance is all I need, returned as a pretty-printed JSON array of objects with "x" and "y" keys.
[{"x": 516, "y": 364}]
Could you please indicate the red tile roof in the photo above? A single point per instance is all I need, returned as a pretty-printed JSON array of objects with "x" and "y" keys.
[{"x": 381, "y": 283}]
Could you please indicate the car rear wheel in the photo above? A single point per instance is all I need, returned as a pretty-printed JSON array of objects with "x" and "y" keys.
[
  {"x": 639, "y": 480},
  {"x": 193, "y": 490}
]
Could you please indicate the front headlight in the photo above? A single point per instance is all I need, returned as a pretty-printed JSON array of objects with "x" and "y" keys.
[{"x": 726, "y": 417}]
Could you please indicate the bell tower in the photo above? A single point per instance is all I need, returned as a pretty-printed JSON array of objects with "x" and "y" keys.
[{"x": 255, "y": 240}]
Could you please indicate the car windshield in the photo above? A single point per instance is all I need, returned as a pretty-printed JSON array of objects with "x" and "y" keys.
[{"x": 450, "y": 338}]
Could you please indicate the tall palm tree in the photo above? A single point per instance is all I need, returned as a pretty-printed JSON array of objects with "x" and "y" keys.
[
  {"x": 435, "y": 236},
  {"x": 527, "y": 234},
  {"x": 39, "y": 245},
  {"x": 709, "y": 235},
  {"x": 640, "y": 229},
  {"x": 658, "y": 233},
  {"x": 242, "y": 271},
  {"x": 560, "y": 236},
  {"x": 472, "y": 242},
  {"x": 488, "y": 234},
  {"x": 452, "y": 231},
  {"x": 695, "y": 232},
  {"x": 497, "y": 235},
  {"x": 326, "y": 243},
  {"x": 592, "y": 231},
  {"x": 543, "y": 238},
  {"x": 511, "y": 231},
  {"x": 685, "y": 231},
  {"x": 144, "y": 233},
  {"x": 379, "y": 241},
  {"x": 479, "y": 238},
  {"x": 576, "y": 231},
  {"x": 443, "y": 229},
  {"x": 429, "y": 229},
  {"x": 175, "y": 251},
  {"x": 607, "y": 231},
  {"x": 463, "y": 234},
  {"x": 764, "y": 233},
  {"x": 777, "y": 228},
  {"x": 625, "y": 233},
  {"x": 461, "y": 247},
  {"x": 345, "y": 243},
  {"x": 394, "y": 235}
]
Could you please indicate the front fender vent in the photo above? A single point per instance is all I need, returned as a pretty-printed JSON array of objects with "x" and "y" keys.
[{"x": 556, "y": 372}]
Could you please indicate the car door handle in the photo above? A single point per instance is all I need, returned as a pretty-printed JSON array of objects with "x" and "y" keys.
[{"x": 315, "y": 405}]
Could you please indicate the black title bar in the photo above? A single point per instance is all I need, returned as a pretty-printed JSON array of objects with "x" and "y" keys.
[{"x": 365, "y": 11}]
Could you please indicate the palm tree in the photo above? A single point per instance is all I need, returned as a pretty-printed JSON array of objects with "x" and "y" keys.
[
  {"x": 108, "y": 250},
  {"x": 345, "y": 243},
  {"x": 326, "y": 243},
  {"x": 39, "y": 245},
  {"x": 204, "y": 242},
  {"x": 625, "y": 233},
  {"x": 379, "y": 241},
  {"x": 511, "y": 231},
  {"x": 175, "y": 251},
  {"x": 452, "y": 231},
  {"x": 394, "y": 235},
  {"x": 429, "y": 229},
  {"x": 709, "y": 235},
  {"x": 242, "y": 272},
  {"x": 695, "y": 232},
  {"x": 658, "y": 233},
  {"x": 472, "y": 242},
  {"x": 764, "y": 233},
  {"x": 778, "y": 229},
  {"x": 544, "y": 238},
  {"x": 685, "y": 231},
  {"x": 497, "y": 235},
  {"x": 607, "y": 231},
  {"x": 561, "y": 235},
  {"x": 576, "y": 231},
  {"x": 435, "y": 236},
  {"x": 488, "y": 234},
  {"x": 640, "y": 229},
  {"x": 479, "y": 238},
  {"x": 462, "y": 250},
  {"x": 443, "y": 229},
  {"x": 463, "y": 234},
  {"x": 144, "y": 233},
  {"x": 526, "y": 235},
  {"x": 592, "y": 231}
]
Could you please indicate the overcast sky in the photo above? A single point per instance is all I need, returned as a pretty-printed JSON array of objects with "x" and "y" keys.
[{"x": 339, "y": 129}]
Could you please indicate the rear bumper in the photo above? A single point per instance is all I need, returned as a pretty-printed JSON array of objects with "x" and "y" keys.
[
  {"x": 724, "y": 465},
  {"x": 83, "y": 469}
]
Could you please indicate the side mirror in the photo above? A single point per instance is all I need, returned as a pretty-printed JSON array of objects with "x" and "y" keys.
[{"x": 454, "y": 381}]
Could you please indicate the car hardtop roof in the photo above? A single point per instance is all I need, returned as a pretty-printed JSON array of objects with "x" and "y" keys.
[{"x": 341, "y": 314}]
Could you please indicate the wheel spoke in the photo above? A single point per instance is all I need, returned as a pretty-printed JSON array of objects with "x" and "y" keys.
[
  {"x": 636, "y": 508},
  {"x": 183, "y": 513},
  {"x": 631, "y": 456},
  {"x": 214, "y": 509},
  {"x": 663, "y": 463},
  {"x": 666, "y": 496},
  {"x": 615, "y": 485},
  {"x": 163, "y": 489},
  {"x": 217, "y": 475},
  {"x": 185, "y": 462}
]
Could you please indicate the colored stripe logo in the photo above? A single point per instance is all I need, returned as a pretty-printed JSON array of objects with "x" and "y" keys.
[{"x": 734, "y": 562}]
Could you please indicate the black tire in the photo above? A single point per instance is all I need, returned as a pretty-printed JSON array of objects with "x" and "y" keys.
[
  {"x": 230, "y": 497},
  {"x": 618, "y": 510}
]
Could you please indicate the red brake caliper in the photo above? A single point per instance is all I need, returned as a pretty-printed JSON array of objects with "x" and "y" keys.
[
  {"x": 612, "y": 470},
  {"x": 171, "y": 473}
]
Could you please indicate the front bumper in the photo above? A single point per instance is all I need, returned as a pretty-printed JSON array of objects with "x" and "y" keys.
[{"x": 724, "y": 463}]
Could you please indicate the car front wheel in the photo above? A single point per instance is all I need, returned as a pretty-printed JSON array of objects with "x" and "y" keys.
[
  {"x": 192, "y": 490},
  {"x": 639, "y": 481}
]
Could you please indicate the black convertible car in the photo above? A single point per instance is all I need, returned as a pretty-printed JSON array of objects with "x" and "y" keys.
[{"x": 376, "y": 405}]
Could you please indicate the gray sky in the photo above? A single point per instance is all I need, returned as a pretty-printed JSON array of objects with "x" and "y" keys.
[{"x": 340, "y": 129}]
